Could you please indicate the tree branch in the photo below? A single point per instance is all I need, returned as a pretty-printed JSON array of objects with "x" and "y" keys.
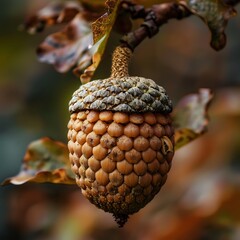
[{"x": 154, "y": 18}]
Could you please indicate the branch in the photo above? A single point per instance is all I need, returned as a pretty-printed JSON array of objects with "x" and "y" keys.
[{"x": 154, "y": 18}]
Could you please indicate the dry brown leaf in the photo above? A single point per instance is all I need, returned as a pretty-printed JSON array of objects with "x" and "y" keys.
[
  {"x": 67, "y": 47},
  {"x": 52, "y": 14},
  {"x": 101, "y": 28},
  {"x": 45, "y": 160},
  {"x": 190, "y": 117},
  {"x": 215, "y": 14}
]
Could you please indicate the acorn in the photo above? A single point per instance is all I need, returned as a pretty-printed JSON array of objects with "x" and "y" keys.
[{"x": 121, "y": 139}]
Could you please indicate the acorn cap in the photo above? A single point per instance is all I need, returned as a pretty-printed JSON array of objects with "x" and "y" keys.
[{"x": 125, "y": 94}]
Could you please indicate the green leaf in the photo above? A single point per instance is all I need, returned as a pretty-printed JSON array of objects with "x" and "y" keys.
[
  {"x": 45, "y": 160},
  {"x": 101, "y": 28},
  {"x": 215, "y": 14},
  {"x": 190, "y": 117}
]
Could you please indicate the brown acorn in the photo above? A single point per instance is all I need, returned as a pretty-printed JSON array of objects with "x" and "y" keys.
[{"x": 121, "y": 140}]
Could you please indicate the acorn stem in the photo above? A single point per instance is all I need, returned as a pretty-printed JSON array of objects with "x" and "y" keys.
[{"x": 120, "y": 61}]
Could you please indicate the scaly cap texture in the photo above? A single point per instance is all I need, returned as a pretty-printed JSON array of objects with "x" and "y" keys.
[{"x": 126, "y": 94}]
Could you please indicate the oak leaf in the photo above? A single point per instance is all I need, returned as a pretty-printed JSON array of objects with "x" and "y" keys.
[
  {"x": 45, "y": 160},
  {"x": 52, "y": 14},
  {"x": 215, "y": 14},
  {"x": 190, "y": 117},
  {"x": 65, "y": 48},
  {"x": 101, "y": 28}
]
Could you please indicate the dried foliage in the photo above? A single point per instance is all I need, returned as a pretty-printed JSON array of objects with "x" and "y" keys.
[
  {"x": 101, "y": 29},
  {"x": 190, "y": 117},
  {"x": 67, "y": 47},
  {"x": 75, "y": 47},
  {"x": 216, "y": 15},
  {"x": 52, "y": 14},
  {"x": 45, "y": 161}
]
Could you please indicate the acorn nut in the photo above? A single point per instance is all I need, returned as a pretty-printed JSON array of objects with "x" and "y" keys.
[{"x": 120, "y": 139}]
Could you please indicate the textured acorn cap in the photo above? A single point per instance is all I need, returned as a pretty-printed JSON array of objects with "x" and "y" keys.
[
  {"x": 126, "y": 94},
  {"x": 120, "y": 92}
]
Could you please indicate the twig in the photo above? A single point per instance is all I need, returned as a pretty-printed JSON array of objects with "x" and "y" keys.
[{"x": 154, "y": 17}]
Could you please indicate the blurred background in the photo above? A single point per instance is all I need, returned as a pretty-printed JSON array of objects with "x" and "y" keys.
[{"x": 201, "y": 199}]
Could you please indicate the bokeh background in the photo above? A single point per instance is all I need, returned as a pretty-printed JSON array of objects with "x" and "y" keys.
[{"x": 201, "y": 199}]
